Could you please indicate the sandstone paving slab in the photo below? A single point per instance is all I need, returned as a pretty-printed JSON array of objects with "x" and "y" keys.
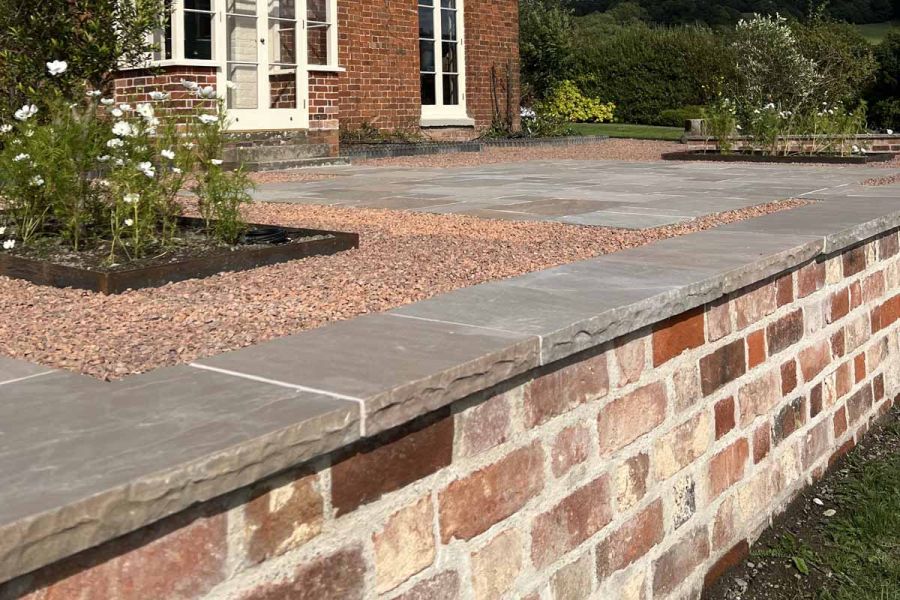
[
  {"x": 397, "y": 368},
  {"x": 82, "y": 461},
  {"x": 12, "y": 370},
  {"x": 622, "y": 220}
]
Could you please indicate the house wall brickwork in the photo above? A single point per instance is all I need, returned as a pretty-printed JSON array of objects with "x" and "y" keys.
[{"x": 638, "y": 470}]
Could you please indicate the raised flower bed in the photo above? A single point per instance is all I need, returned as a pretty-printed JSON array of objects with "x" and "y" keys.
[{"x": 756, "y": 156}]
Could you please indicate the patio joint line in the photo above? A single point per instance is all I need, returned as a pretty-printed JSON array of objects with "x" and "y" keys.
[
  {"x": 26, "y": 378},
  {"x": 292, "y": 386}
]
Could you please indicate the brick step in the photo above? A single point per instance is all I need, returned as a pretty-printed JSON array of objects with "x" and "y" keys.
[{"x": 300, "y": 163}]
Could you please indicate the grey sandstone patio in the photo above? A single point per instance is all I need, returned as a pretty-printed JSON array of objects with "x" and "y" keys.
[{"x": 604, "y": 193}]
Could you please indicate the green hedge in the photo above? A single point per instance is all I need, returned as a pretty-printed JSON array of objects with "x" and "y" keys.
[{"x": 646, "y": 71}]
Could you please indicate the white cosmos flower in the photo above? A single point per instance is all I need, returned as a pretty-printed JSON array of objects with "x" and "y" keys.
[
  {"x": 168, "y": 154},
  {"x": 21, "y": 157},
  {"x": 9, "y": 244},
  {"x": 131, "y": 198},
  {"x": 176, "y": 170},
  {"x": 147, "y": 169},
  {"x": 206, "y": 92},
  {"x": 117, "y": 113},
  {"x": 189, "y": 85},
  {"x": 889, "y": 131},
  {"x": 57, "y": 67},
  {"x": 103, "y": 158},
  {"x": 125, "y": 107},
  {"x": 189, "y": 145},
  {"x": 129, "y": 222},
  {"x": 208, "y": 119},
  {"x": 2, "y": 230},
  {"x": 157, "y": 96},
  {"x": 855, "y": 148},
  {"x": 94, "y": 94},
  {"x": 37, "y": 181},
  {"x": 107, "y": 101},
  {"x": 216, "y": 161},
  {"x": 145, "y": 110},
  {"x": 123, "y": 129},
  {"x": 115, "y": 143},
  {"x": 7, "y": 128},
  {"x": 26, "y": 112}
]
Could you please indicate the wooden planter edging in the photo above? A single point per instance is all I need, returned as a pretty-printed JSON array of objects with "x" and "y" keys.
[
  {"x": 716, "y": 156},
  {"x": 245, "y": 257}
]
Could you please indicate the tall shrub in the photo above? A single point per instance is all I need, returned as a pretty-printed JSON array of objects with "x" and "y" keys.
[
  {"x": 545, "y": 46},
  {"x": 884, "y": 94}
]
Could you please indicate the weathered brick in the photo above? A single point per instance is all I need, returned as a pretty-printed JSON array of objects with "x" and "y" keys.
[
  {"x": 878, "y": 387},
  {"x": 815, "y": 400},
  {"x": 727, "y": 467},
  {"x": 405, "y": 545},
  {"x": 788, "y": 377},
  {"x": 859, "y": 404},
  {"x": 814, "y": 358},
  {"x": 682, "y": 445},
  {"x": 844, "y": 379},
  {"x": 810, "y": 279},
  {"x": 282, "y": 517},
  {"x": 758, "y": 396},
  {"x": 725, "y": 420},
  {"x": 838, "y": 344},
  {"x": 678, "y": 334},
  {"x": 859, "y": 367},
  {"x": 756, "y": 348},
  {"x": 727, "y": 561},
  {"x": 686, "y": 386},
  {"x": 570, "y": 447},
  {"x": 840, "y": 422},
  {"x": 562, "y": 390},
  {"x": 683, "y": 500},
  {"x": 496, "y": 566},
  {"x": 854, "y": 261},
  {"x": 469, "y": 506},
  {"x": 789, "y": 419},
  {"x": 718, "y": 319},
  {"x": 784, "y": 290},
  {"x": 888, "y": 246},
  {"x": 762, "y": 442},
  {"x": 838, "y": 305},
  {"x": 754, "y": 305},
  {"x": 390, "y": 462},
  {"x": 632, "y": 540},
  {"x": 486, "y": 425},
  {"x": 337, "y": 576},
  {"x": 573, "y": 520},
  {"x": 785, "y": 332},
  {"x": 574, "y": 581},
  {"x": 181, "y": 558},
  {"x": 885, "y": 314},
  {"x": 630, "y": 481},
  {"x": 722, "y": 366},
  {"x": 444, "y": 586},
  {"x": 631, "y": 359},
  {"x": 627, "y": 418},
  {"x": 816, "y": 444},
  {"x": 679, "y": 561},
  {"x": 855, "y": 295}
]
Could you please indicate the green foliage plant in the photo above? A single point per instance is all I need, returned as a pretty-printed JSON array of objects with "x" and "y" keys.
[
  {"x": 721, "y": 123},
  {"x": 567, "y": 103}
]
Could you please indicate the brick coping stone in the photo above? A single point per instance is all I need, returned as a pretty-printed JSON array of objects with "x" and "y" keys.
[{"x": 83, "y": 462}]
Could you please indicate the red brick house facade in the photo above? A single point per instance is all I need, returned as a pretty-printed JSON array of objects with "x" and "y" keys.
[{"x": 445, "y": 68}]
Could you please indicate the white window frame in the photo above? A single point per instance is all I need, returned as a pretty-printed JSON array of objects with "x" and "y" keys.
[
  {"x": 218, "y": 58},
  {"x": 440, "y": 113}
]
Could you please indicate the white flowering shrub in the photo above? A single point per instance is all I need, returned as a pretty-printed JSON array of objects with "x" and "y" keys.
[{"x": 91, "y": 172}]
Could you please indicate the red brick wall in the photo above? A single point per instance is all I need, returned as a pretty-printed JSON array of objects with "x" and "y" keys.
[
  {"x": 135, "y": 86},
  {"x": 379, "y": 48},
  {"x": 324, "y": 100},
  {"x": 633, "y": 470}
]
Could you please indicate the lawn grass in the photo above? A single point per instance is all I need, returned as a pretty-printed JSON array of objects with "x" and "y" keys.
[
  {"x": 857, "y": 551},
  {"x": 625, "y": 130},
  {"x": 876, "y": 32}
]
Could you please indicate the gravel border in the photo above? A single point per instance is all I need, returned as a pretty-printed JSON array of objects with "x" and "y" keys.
[{"x": 404, "y": 257}]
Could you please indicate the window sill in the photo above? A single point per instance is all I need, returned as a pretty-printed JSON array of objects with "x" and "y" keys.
[
  {"x": 446, "y": 122},
  {"x": 187, "y": 62},
  {"x": 325, "y": 69}
]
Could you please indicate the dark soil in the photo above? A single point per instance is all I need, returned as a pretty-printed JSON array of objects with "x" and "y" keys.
[{"x": 852, "y": 553}]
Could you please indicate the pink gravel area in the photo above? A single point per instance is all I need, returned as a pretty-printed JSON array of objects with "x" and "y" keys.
[
  {"x": 404, "y": 257},
  {"x": 288, "y": 175}
]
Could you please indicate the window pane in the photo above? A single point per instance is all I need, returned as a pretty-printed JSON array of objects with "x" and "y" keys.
[
  {"x": 283, "y": 9},
  {"x": 241, "y": 7},
  {"x": 448, "y": 24},
  {"x": 426, "y": 23},
  {"x": 198, "y": 4},
  {"x": 317, "y": 44},
  {"x": 448, "y": 3},
  {"x": 426, "y": 56},
  {"x": 198, "y": 36},
  {"x": 448, "y": 57},
  {"x": 451, "y": 90},
  {"x": 429, "y": 98},
  {"x": 426, "y": 2},
  {"x": 283, "y": 88},
  {"x": 282, "y": 42},
  {"x": 242, "y": 42},
  {"x": 162, "y": 38},
  {"x": 243, "y": 94},
  {"x": 317, "y": 11}
]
